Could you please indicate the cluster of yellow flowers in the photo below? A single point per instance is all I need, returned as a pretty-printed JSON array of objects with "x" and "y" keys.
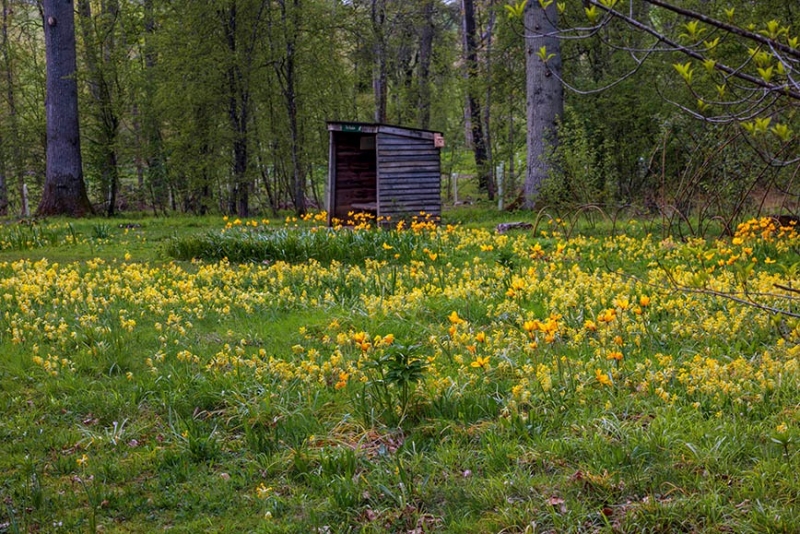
[
  {"x": 555, "y": 324},
  {"x": 765, "y": 229}
]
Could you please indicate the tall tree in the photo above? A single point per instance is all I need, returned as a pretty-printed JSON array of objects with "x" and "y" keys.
[
  {"x": 3, "y": 181},
  {"x": 479, "y": 148},
  {"x": 544, "y": 93},
  {"x": 426, "y": 35},
  {"x": 11, "y": 144},
  {"x": 290, "y": 13},
  {"x": 153, "y": 150},
  {"x": 99, "y": 46},
  {"x": 64, "y": 188},
  {"x": 380, "y": 76}
]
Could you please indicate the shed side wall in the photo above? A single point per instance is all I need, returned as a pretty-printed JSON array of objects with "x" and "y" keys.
[{"x": 409, "y": 176}]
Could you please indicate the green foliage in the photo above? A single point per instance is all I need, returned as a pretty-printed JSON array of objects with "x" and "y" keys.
[
  {"x": 238, "y": 398},
  {"x": 583, "y": 173},
  {"x": 295, "y": 245}
]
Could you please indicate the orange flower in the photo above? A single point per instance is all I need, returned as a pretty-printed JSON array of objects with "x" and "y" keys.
[
  {"x": 455, "y": 319},
  {"x": 608, "y": 315},
  {"x": 343, "y": 377},
  {"x": 614, "y": 355},
  {"x": 602, "y": 378}
]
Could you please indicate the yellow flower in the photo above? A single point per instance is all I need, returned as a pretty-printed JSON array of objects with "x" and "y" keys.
[
  {"x": 530, "y": 326},
  {"x": 455, "y": 319},
  {"x": 644, "y": 301},
  {"x": 263, "y": 491},
  {"x": 388, "y": 339},
  {"x": 782, "y": 428},
  {"x": 614, "y": 355},
  {"x": 386, "y": 246},
  {"x": 590, "y": 325},
  {"x": 602, "y": 377},
  {"x": 481, "y": 362},
  {"x": 480, "y": 337}
]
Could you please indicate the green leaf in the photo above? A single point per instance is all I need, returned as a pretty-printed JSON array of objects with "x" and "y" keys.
[
  {"x": 543, "y": 55},
  {"x": 693, "y": 30},
  {"x": 782, "y": 132},
  {"x": 592, "y": 13},
  {"x": 685, "y": 70},
  {"x": 774, "y": 30},
  {"x": 729, "y": 13},
  {"x": 516, "y": 10},
  {"x": 710, "y": 45},
  {"x": 709, "y": 64},
  {"x": 758, "y": 126},
  {"x": 766, "y": 74},
  {"x": 545, "y": 3}
]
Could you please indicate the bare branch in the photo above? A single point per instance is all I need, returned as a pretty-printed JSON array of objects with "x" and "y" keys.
[
  {"x": 727, "y": 27},
  {"x": 782, "y": 89}
]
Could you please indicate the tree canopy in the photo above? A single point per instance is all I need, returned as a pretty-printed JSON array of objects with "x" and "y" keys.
[{"x": 221, "y": 107}]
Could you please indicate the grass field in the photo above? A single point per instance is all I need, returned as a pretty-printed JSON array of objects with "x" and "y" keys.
[{"x": 436, "y": 378}]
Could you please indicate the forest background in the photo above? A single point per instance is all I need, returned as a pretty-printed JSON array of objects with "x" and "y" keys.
[{"x": 200, "y": 107}]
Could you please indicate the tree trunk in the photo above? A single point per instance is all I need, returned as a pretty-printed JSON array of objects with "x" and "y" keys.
[
  {"x": 238, "y": 105},
  {"x": 98, "y": 50},
  {"x": 544, "y": 94},
  {"x": 154, "y": 154},
  {"x": 290, "y": 93},
  {"x": 425, "y": 57},
  {"x": 3, "y": 181},
  {"x": 12, "y": 150},
  {"x": 473, "y": 105},
  {"x": 3, "y": 145},
  {"x": 380, "y": 77},
  {"x": 64, "y": 189}
]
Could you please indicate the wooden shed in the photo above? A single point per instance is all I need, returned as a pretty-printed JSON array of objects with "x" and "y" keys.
[{"x": 385, "y": 170}]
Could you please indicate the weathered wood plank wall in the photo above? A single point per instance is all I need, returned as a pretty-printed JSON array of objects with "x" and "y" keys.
[{"x": 409, "y": 176}]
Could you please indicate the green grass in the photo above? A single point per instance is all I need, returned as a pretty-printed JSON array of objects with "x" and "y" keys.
[{"x": 202, "y": 395}]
